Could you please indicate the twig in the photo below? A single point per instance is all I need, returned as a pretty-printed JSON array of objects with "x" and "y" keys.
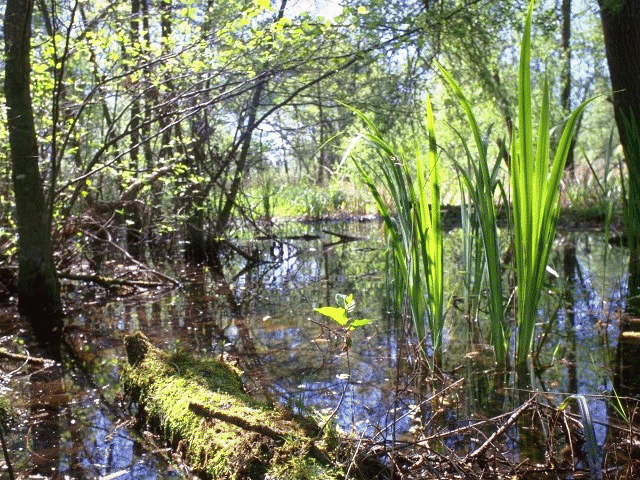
[
  {"x": 512, "y": 419},
  {"x": 169, "y": 279},
  {"x": 423, "y": 442},
  {"x": 448, "y": 433},
  {"x": 107, "y": 282},
  {"x": 5, "y": 452},
  {"x": 25, "y": 358}
]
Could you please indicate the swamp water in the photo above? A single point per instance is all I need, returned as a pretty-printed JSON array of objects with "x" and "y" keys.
[{"x": 76, "y": 426}]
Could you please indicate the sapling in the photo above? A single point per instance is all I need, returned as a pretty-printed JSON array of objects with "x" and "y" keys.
[{"x": 340, "y": 314}]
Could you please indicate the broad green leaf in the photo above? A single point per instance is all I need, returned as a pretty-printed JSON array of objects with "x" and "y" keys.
[
  {"x": 338, "y": 314},
  {"x": 359, "y": 323}
]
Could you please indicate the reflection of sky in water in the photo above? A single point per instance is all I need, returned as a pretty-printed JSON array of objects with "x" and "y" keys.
[
  {"x": 87, "y": 445},
  {"x": 108, "y": 452},
  {"x": 369, "y": 399},
  {"x": 304, "y": 362},
  {"x": 589, "y": 293}
]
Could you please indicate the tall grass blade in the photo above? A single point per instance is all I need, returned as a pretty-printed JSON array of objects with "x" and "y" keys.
[
  {"x": 535, "y": 182},
  {"x": 433, "y": 256},
  {"x": 592, "y": 450},
  {"x": 632, "y": 209},
  {"x": 481, "y": 186},
  {"x": 415, "y": 232}
]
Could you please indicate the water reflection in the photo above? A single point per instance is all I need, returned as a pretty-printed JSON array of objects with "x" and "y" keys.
[{"x": 260, "y": 315}]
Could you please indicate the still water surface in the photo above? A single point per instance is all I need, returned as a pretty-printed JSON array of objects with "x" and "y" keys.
[{"x": 263, "y": 319}]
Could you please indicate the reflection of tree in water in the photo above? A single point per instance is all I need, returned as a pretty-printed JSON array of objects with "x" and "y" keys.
[
  {"x": 252, "y": 359},
  {"x": 48, "y": 397},
  {"x": 301, "y": 362},
  {"x": 627, "y": 368},
  {"x": 571, "y": 269}
]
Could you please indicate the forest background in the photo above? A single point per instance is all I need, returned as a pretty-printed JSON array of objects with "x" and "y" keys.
[{"x": 160, "y": 128}]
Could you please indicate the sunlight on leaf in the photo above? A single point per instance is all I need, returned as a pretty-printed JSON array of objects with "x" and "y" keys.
[
  {"x": 338, "y": 314},
  {"x": 359, "y": 323}
]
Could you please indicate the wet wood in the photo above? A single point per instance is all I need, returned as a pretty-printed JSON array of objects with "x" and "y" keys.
[
  {"x": 200, "y": 407},
  {"x": 25, "y": 358},
  {"x": 343, "y": 237},
  {"x": 107, "y": 282}
]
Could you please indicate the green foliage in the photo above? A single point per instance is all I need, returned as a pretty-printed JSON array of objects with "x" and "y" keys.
[
  {"x": 535, "y": 183},
  {"x": 286, "y": 197},
  {"x": 632, "y": 206},
  {"x": 340, "y": 314},
  {"x": 415, "y": 235},
  {"x": 481, "y": 183},
  {"x": 178, "y": 392}
]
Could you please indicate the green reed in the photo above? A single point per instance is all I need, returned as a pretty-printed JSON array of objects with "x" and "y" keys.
[
  {"x": 481, "y": 183},
  {"x": 415, "y": 233},
  {"x": 535, "y": 183},
  {"x": 414, "y": 230},
  {"x": 591, "y": 447}
]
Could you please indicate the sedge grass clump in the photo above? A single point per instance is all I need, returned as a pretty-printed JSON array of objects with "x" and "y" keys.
[
  {"x": 481, "y": 182},
  {"x": 415, "y": 234},
  {"x": 414, "y": 230},
  {"x": 535, "y": 182}
]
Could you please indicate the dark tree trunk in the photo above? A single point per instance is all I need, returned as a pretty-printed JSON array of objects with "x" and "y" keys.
[
  {"x": 322, "y": 154},
  {"x": 132, "y": 212},
  {"x": 241, "y": 160},
  {"x": 565, "y": 95},
  {"x": 621, "y": 27},
  {"x": 38, "y": 288}
]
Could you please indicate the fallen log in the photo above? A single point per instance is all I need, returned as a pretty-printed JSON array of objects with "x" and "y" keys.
[{"x": 200, "y": 407}]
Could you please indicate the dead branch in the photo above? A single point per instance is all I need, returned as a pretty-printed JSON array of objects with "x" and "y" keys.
[
  {"x": 144, "y": 266},
  {"x": 107, "y": 282},
  {"x": 206, "y": 411},
  {"x": 511, "y": 420},
  {"x": 25, "y": 358}
]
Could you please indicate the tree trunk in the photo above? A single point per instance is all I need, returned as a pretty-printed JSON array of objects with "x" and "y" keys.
[
  {"x": 132, "y": 211},
  {"x": 565, "y": 95},
  {"x": 241, "y": 160},
  {"x": 201, "y": 407},
  {"x": 621, "y": 27},
  {"x": 38, "y": 288}
]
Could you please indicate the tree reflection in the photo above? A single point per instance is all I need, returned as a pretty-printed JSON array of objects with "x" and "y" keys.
[{"x": 48, "y": 397}]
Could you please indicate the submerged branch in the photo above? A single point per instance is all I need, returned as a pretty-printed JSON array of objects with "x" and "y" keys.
[
  {"x": 512, "y": 419},
  {"x": 107, "y": 282}
]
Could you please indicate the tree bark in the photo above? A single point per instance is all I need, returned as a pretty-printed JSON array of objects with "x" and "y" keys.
[
  {"x": 201, "y": 406},
  {"x": 565, "y": 95},
  {"x": 134, "y": 223},
  {"x": 38, "y": 288},
  {"x": 621, "y": 28}
]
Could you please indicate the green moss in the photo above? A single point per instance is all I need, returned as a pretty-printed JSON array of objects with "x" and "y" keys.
[
  {"x": 8, "y": 415},
  {"x": 200, "y": 407}
]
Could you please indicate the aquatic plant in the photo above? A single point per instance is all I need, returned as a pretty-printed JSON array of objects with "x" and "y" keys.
[
  {"x": 535, "y": 183},
  {"x": 632, "y": 210},
  {"x": 481, "y": 184},
  {"x": 415, "y": 234},
  {"x": 592, "y": 450},
  {"x": 414, "y": 229}
]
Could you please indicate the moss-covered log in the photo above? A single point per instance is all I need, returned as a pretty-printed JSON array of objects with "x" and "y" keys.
[{"x": 200, "y": 407}]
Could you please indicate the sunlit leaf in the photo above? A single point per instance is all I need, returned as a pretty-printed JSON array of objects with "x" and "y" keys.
[
  {"x": 263, "y": 4},
  {"x": 338, "y": 314},
  {"x": 359, "y": 323}
]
